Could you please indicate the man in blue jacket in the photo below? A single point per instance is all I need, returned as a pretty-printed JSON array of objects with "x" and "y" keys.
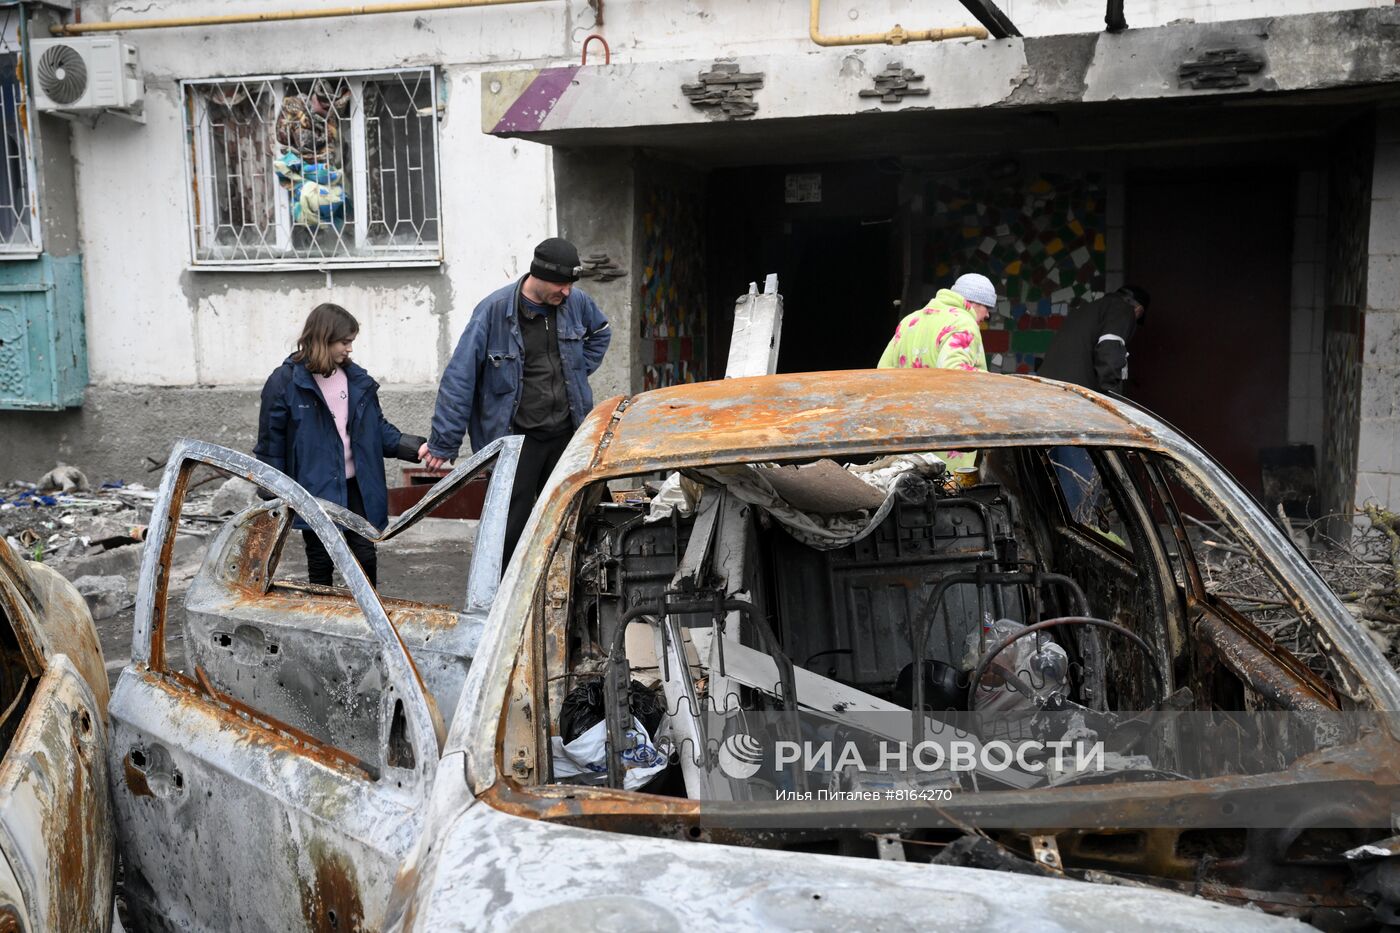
[{"x": 522, "y": 367}]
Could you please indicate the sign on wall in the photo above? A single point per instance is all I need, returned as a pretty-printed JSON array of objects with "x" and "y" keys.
[{"x": 803, "y": 188}]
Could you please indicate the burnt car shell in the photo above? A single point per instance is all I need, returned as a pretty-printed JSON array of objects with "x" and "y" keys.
[
  {"x": 57, "y": 854},
  {"x": 505, "y": 847}
]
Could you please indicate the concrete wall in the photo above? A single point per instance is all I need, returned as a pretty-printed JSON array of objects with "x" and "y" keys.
[
  {"x": 600, "y": 215},
  {"x": 119, "y": 427},
  {"x": 174, "y": 350},
  {"x": 1348, "y": 229},
  {"x": 652, "y": 31},
  {"x": 1378, "y": 439}
]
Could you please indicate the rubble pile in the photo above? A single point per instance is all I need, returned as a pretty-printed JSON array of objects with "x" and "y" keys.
[
  {"x": 93, "y": 536},
  {"x": 1364, "y": 572}
]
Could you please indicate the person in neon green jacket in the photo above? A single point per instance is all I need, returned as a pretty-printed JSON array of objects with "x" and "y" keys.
[{"x": 945, "y": 334}]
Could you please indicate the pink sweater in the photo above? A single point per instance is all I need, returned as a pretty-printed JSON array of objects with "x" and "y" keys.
[{"x": 335, "y": 389}]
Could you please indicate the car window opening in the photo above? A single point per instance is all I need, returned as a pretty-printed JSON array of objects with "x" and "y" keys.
[
  {"x": 16, "y": 684},
  {"x": 733, "y": 608}
]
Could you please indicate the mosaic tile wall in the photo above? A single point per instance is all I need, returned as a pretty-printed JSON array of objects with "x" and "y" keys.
[
  {"x": 672, "y": 287},
  {"x": 1040, "y": 239}
]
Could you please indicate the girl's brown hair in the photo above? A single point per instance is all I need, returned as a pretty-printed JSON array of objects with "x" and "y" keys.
[{"x": 326, "y": 324}]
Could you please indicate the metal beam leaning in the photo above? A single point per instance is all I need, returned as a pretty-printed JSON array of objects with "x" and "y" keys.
[
  {"x": 758, "y": 330},
  {"x": 1113, "y": 18},
  {"x": 991, "y": 16}
]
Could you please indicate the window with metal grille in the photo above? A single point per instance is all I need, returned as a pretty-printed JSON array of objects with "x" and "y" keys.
[
  {"x": 19, "y": 221},
  {"x": 317, "y": 170}
]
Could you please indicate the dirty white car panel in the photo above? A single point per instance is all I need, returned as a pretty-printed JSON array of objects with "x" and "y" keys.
[
  {"x": 301, "y": 653},
  {"x": 489, "y": 870},
  {"x": 754, "y": 609},
  {"x": 251, "y": 799},
  {"x": 511, "y": 842},
  {"x": 57, "y": 853}
]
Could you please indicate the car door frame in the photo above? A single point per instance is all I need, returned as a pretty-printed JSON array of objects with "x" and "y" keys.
[
  {"x": 346, "y": 822},
  {"x": 300, "y": 653}
]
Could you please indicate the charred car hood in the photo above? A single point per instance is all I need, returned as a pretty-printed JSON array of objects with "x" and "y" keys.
[{"x": 487, "y": 869}]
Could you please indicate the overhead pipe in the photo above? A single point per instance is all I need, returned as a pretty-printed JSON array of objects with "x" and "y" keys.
[
  {"x": 896, "y": 36},
  {"x": 235, "y": 19}
]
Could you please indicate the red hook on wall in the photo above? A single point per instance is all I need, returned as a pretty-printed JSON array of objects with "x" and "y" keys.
[{"x": 607, "y": 52}]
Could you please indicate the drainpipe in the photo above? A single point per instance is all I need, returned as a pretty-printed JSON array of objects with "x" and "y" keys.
[
  {"x": 896, "y": 36},
  {"x": 231, "y": 19}
]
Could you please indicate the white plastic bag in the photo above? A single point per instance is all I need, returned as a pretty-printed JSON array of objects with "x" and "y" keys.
[
  {"x": 585, "y": 759},
  {"x": 1035, "y": 660}
]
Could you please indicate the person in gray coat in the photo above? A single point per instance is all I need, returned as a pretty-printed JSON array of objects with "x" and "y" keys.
[{"x": 1091, "y": 350}]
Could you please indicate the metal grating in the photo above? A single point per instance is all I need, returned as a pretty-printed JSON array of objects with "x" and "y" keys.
[
  {"x": 14, "y": 353},
  {"x": 19, "y": 223},
  {"x": 314, "y": 170}
]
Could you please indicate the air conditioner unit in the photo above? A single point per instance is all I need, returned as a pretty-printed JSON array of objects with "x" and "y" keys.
[{"x": 86, "y": 74}]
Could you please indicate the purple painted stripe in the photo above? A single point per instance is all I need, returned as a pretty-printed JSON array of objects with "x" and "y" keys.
[{"x": 531, "y": 107}]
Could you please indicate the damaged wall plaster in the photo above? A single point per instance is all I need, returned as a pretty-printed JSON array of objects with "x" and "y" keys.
[{"x": 152, "y": 322}]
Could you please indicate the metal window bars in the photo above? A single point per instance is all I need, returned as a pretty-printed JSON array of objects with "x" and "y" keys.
[
  {"x": 19, "y": 220},
  {"x": 319, "y": 170}
]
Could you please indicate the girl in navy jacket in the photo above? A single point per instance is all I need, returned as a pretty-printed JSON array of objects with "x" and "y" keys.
[{"x": 320, "y": 423}]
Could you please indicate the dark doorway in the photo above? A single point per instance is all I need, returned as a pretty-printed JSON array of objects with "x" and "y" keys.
[
  {"x": 839, "y": 295},
  {"x": 837, "y": 260},
  {"x": 1215, "y": 252}
]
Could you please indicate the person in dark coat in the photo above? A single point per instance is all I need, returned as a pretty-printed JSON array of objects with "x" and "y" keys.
[
  {"x": 522, "y": 367},
  {"x": 320, "y": 423},
  {"x": 1091, "y": 349}
]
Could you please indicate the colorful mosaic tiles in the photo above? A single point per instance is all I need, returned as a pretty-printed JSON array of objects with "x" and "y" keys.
[
  {"x": 672, "y": 289},
  {"x": 1039, "y": 239}
]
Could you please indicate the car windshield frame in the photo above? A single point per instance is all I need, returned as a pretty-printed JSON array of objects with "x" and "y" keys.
[{"x": 559, "y": 512}]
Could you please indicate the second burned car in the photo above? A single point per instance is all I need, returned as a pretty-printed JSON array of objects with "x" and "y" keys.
[{"x": 673, "y": 708}]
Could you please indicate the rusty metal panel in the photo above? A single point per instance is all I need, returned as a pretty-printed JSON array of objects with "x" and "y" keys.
[
  {"x": 284, "y": 795},
  {"x": 55, "y": 816},
  {"x": 66, "y": 627},
  {"x": 423, "y": 723},
  {"x": 829, "y": 413},
  {"x": 230, "y": 825},
  {"x": 304, "y": 654}
]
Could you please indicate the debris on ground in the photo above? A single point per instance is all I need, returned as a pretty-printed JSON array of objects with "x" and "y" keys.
[
  {"x": 105, "y": 596},
  {"x": 1363, "y": 571},
  {"x": 64, "y": 478},
  {"x": 97, "y": 532},
  {"x": 233, "y": 496}
]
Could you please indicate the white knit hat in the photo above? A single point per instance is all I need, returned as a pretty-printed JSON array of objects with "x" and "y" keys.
[{"x": 976, "y": 288}]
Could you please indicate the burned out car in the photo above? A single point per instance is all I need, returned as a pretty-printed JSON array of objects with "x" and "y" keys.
[
  {"x": 707, "y": 708},
  {"x": 760, "y": 661},
  {"x": 57, "y": 854}
]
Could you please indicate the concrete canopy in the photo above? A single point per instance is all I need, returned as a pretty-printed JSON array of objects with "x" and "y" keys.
[{"x": 1245, "y": 79}]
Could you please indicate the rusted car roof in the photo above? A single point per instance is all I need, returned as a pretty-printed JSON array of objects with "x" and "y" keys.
[{"x": 806, "y": 413}]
